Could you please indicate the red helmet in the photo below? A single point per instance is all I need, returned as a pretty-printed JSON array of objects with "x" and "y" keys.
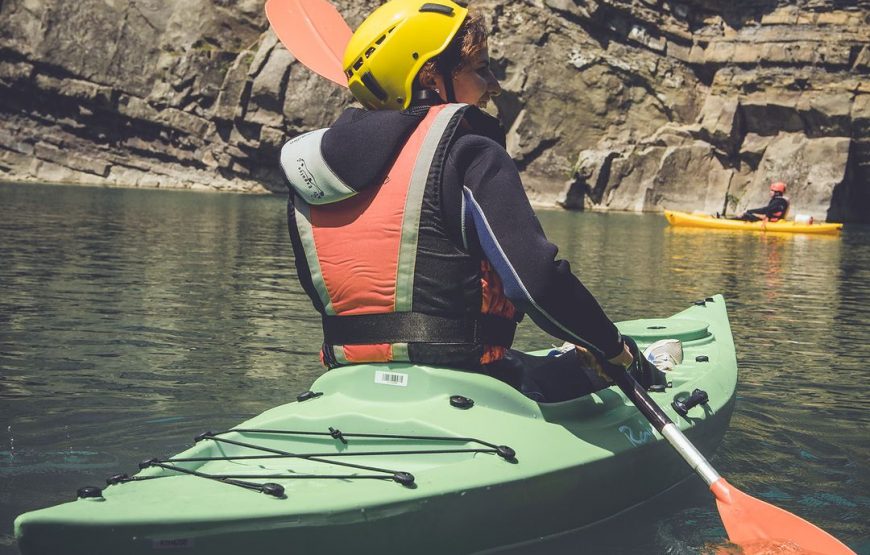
[{"x": 778, "y": 186}]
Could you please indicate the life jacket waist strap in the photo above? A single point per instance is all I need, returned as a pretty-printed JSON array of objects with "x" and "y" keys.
[{"x": 416, "y": 327}]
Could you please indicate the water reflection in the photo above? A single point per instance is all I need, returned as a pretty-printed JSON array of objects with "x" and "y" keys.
[{"x": 132, "y": 320}]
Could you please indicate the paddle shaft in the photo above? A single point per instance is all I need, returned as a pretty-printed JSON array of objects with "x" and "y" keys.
[{"x": 665, "y": 426}]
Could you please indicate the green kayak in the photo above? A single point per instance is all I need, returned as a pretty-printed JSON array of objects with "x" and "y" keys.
[{"x": 395, "y": 458}]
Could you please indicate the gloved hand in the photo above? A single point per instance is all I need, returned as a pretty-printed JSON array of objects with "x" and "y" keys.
[
  {"x": 641, "y": 369},
  {"x": 625, "y": 358},
  {"x": 630, "y": 359},
  {"x": 588, "y": 361},
  {"x": 593, "y": 367}
]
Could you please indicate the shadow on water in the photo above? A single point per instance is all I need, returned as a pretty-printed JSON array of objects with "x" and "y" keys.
[{"x": 132, "y": 320}]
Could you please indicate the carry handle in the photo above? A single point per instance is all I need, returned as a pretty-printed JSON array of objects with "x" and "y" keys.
[{"x": 683, "y": 406}]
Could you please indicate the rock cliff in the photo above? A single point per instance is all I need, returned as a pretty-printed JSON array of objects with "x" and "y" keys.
[{"x": 610, "y": 104}]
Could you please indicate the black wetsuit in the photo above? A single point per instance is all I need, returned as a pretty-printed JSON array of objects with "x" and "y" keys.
[
  {"x": 774, "y": 211},
  {"x": 482, "y": 206}
]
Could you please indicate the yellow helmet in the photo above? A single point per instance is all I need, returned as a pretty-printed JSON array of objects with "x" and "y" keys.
[{"x": 392, "y": 44}]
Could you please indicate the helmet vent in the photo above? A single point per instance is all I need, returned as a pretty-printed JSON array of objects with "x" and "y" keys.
[
  {"x": 372, "y": 84},
  {"x": 437, "y": 8},
  {"x": 358, "y": 64},
  {"x": 370, "y": 51},
  {"x": 380, "y": 40}
]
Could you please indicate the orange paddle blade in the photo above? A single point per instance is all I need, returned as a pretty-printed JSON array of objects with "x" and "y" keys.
[
  {"x": 749, "y": 521},
  {"x": 314, "y": 32}
]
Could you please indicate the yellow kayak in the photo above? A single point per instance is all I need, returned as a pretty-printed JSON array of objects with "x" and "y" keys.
[{"x": 684, "y": 219}]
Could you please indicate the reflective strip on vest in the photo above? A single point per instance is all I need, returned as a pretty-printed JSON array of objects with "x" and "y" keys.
[
  {"x": 414, "y": 204},
  {"x": 306, "y": 235},
  {"x": 362, "y": 251}
]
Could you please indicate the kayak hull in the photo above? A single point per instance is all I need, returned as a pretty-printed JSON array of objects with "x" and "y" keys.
[
  {"x": 576, "y": 463},
  {"x": 684, "y": 219}
]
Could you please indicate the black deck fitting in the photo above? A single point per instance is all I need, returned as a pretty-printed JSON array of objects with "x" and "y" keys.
[
  {"x": 273, "y": 489},
  {"x": 306, "y": 395},
  {"x": 116, "y": 479},
  {"x": 336, "y": 434},
  {"x": 506, "y": 452},
  {"x": 404, "y": 478},
  {"x": 683, "y": 406},
  {"x": 89, "y": 492},
  {"x": 461, "y": 402},
  {"x": 202, "y": 436},
  {"x": 146, "y": 463}
]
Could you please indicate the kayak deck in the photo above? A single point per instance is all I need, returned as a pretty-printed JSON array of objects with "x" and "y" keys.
[
  {"x": 685, "y": 219},
  {"x": 387, "y": 457}
]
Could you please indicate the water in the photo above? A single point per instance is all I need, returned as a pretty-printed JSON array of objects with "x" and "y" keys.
[{"x": 132, "y": 320}]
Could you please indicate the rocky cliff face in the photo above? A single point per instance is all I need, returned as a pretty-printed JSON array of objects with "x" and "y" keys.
[{"x": 610, "y": 104}]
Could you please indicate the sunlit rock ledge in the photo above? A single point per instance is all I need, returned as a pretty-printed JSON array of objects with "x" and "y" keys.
[{"x": 632, "y": 105}]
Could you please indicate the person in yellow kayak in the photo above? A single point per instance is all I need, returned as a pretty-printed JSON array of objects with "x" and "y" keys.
[
  {"x": 775, "y": 210},
  {"x": 412, "y": 233}
]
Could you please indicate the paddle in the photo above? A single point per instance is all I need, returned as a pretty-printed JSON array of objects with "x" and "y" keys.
[
  {"x": 317, "y": 35},
  {"x": 314, "y": 32},
  {"x": 747, "y": 520}
]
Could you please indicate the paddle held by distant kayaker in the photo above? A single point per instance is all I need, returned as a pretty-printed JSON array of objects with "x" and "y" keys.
[{"x": 412, "y": 233}]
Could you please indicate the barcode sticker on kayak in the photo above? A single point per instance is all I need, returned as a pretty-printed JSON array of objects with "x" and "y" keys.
[{"x": 391, "y": 378}]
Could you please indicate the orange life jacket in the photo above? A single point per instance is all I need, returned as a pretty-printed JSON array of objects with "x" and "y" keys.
[{"x": 364, "y": 258}]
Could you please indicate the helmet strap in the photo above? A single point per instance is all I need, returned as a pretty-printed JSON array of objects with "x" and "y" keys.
[
  {"x": 425, "y": 96},
  {"x": 446, "y": 65},
  {"x": 448, "y": 86}
]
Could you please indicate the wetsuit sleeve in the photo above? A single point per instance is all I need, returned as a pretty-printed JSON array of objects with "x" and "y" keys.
[
  {"x": 498, "y": 220},
  {"x": 762, "y": 210}
]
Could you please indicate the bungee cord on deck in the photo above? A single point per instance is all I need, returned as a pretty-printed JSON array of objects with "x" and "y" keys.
[{"x": 404, "y": 478}]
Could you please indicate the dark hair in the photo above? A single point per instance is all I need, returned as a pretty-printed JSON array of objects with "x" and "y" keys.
[{"x": 468, "y": 41}]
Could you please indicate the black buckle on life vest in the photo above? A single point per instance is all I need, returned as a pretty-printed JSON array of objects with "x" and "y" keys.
[{"x": 416, "y": 327}]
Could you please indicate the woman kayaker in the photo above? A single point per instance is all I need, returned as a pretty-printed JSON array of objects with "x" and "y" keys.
[
  {"x": 411, "y": 230},
  {"x": 775, "y": 210}
]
